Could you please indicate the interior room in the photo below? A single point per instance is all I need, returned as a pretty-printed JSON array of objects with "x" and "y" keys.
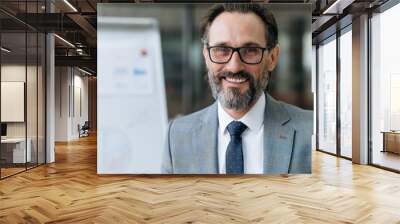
[{"x": 338, "y": 61}]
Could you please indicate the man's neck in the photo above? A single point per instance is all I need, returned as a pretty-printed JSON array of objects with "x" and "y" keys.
[{"x": 237, "y": 114}]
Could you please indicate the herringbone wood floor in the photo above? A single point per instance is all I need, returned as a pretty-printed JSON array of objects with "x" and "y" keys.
[{"x": 70, "y": 191}]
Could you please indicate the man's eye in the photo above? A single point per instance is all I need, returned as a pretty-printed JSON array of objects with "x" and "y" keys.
[
  {"x": 222, "y": 50},
  {"x": 251, "y": 50}
]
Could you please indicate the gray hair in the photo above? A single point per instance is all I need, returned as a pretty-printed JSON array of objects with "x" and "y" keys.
[{"x": 271, "y": 28}]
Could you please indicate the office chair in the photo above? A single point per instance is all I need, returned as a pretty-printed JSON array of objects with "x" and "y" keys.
[{"x": 84, "y": 130}]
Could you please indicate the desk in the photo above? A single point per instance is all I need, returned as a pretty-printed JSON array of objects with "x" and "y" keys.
[
  {"x": 17, "y": 150},
  {"x": 391, "y": 141}
]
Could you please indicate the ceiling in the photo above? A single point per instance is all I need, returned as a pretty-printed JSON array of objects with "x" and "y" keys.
[{"x": 76, "y": 21}]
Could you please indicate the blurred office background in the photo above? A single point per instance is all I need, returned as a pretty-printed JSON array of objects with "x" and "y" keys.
[{"x": 187, "y": 89}]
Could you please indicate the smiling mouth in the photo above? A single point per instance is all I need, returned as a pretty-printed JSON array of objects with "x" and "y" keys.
[{"x": 235, "y": 80}]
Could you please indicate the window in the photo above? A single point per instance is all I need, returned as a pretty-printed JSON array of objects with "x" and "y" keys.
[
  {"x": 385, "y": 89},
  {"x": 327, "y": 96},
  {"x": 346, "y": 93},
  {"x": 22, "y": 77}
]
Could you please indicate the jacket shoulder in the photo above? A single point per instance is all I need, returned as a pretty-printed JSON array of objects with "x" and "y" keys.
[
  {"x": 299, "y": 117},
  {"x": 302, "y": 122},
  {"x": 191, "y": 119}
]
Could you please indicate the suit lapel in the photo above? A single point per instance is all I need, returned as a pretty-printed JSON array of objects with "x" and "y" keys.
[
  {"x": 278, "y": 138},
  {"x": 204, "y": 140}
]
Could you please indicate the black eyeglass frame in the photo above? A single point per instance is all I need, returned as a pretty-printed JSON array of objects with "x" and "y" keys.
[{"x": 237, "y": 49}]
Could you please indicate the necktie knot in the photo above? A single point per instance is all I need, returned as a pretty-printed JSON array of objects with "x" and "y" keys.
[{"x": 236, "y": 128}]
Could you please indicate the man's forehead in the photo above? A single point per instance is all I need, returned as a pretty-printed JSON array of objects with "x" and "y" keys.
[{"x": 236, "y": 28}]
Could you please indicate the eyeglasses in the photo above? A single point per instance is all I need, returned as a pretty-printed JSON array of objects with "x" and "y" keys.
[{"x": 248, "y": 55}]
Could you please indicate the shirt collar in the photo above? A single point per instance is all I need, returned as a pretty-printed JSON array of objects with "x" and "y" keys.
[{"x": 253, "y": 119}]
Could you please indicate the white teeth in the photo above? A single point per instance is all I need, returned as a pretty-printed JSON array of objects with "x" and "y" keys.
[{"x": 235, "y": 80}]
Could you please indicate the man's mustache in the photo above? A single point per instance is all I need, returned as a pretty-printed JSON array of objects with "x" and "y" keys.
[{"x": 238, "y": 75}]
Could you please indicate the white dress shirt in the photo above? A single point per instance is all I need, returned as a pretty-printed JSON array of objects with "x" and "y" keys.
[{"x": 252, "y": 137}]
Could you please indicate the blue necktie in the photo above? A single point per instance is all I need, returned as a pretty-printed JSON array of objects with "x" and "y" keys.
[{"x": 234, "y": 153}]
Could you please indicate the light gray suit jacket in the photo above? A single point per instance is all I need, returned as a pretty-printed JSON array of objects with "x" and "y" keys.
[{"x": 191, "y": 144}]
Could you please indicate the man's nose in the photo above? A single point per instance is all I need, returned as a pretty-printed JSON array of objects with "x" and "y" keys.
[{"x": 235, "y": 64}]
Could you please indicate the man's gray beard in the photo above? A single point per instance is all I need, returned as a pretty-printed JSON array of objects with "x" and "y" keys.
[{"x": 231, "y": 98}]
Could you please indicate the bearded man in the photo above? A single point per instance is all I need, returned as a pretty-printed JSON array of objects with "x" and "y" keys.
[{"x": 245, "y": 131}]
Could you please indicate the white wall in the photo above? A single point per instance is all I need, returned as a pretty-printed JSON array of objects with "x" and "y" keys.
[
  {"x": 70, "y": 83},
  {"x": 80, "y": 84},
  {"x": 12, "y": 101},
  {"x": 12, "y": 73},
  {"x": 61, "y": 103}
]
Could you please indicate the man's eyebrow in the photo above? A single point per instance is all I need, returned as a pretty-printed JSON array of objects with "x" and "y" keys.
[
  {"x": 223, "y": 44},
  {"x": 251, "y": 44},
  {"x": 247, "y": 44}
]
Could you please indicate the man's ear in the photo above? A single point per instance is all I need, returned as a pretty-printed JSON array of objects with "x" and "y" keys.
[
  {"x": 205, "y": 54},
  {"x": 273, "y": 58}
]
